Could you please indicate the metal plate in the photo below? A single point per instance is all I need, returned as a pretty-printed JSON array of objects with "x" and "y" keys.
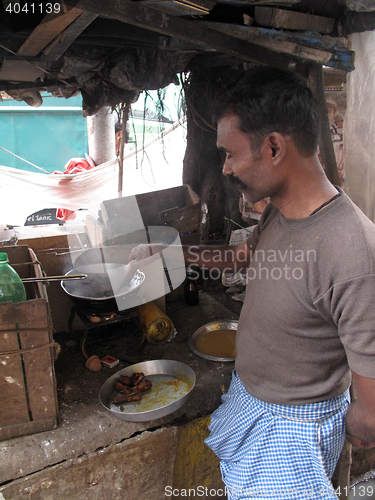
[
  {"x": 228, "y": 324},
  {"x": 172, "y": 383}
]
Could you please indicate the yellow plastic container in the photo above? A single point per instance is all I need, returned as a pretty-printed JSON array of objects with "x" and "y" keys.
[{"x": 158, "y": 327}]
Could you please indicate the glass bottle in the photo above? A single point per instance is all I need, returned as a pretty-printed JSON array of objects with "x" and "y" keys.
[
  {"x": 11, "y": 287},
  {"x": 191, "y": 289}
]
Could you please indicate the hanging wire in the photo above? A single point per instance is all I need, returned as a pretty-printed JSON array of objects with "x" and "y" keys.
[{"x": 161, "y": 109}]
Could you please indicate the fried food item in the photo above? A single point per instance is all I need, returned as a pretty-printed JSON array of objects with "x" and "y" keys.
[
  {"x": 127, "y": 398},
  {"x": 125, "y": 389},
  {"x": 125, "y": 380},
  {"x": 143, "y": 386},
  {"x": 137, "y": 378},
  {"x": 131, "y": 388}
]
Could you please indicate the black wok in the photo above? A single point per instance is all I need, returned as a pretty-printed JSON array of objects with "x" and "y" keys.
[{"x": 95, "y": 295}]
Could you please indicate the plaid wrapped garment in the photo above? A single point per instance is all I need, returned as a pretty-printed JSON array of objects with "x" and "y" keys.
[{"x": 277, "y": 452}]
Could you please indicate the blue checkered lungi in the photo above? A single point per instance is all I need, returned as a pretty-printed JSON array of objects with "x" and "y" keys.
[{"x": 277, "y": 452}]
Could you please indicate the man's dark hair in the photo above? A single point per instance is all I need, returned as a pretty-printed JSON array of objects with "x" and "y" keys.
[{"x": 269, "y": 100}]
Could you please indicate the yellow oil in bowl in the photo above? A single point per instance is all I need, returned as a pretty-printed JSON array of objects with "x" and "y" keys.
[{"x": 218, "y": 343}]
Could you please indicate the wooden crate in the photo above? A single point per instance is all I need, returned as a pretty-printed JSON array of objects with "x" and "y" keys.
[
  {"x": 177, "y": 207},
  {"x": 27, "y": 354}
]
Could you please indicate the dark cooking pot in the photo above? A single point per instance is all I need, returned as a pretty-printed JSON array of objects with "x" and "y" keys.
[{"x": 95, "y": 293}]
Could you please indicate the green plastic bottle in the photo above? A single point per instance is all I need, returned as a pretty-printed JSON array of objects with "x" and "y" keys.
[{"x": 11, "y": 287}]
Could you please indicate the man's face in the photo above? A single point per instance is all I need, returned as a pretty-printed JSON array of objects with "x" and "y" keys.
[{"x": 250, "y": 172}]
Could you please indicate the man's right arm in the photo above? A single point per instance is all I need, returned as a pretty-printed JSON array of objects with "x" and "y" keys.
[{"x": 221, "y": 257}]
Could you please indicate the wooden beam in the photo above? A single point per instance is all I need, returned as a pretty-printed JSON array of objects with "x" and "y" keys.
[
  {"x": 145, "y": 17},
  {"x": 291, "y": 20},
  {"x": 316, "y": 83},
  {"x": 283, "y": 46},
  {"x": 6, "y": 85},
  {"x": 59, "y": 45},
  {"x": 182, "y": 7},
  {"x": 47, "y": 30},
  {"x": 316, "y": 48},
  {"x": 15, "y": 70}
]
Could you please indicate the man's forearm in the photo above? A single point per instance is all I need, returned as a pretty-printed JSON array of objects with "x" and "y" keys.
[
  {"x": 360, "y": 426},
  {"x": 360, "y": 418},
  {"x": 221, "y": 257}
]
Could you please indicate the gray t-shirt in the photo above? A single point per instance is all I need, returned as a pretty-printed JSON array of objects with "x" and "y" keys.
[{"x": 309, "y": 311}]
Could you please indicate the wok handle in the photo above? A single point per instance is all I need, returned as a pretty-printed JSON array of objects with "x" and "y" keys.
[{"x": 55, "y": 278}]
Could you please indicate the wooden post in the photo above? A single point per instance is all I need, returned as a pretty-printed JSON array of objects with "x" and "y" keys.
[
  {"x": 343, "y": 471},
  {"x": 125, "y": 117},
  {"x": 316, "y": 83}
]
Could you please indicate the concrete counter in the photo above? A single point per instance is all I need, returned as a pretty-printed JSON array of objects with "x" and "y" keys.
[{"x": 74, "y": 460}]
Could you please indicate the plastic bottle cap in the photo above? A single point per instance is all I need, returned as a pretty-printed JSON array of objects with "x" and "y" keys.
[{"x": 3, "y": 257}]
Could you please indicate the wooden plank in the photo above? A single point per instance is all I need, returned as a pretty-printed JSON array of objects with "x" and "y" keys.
[
  {"x": 323, "y": 49},
  {"x": 283, "y": 46},
  {"x": 313, "y": 40},
  {"x": 40, "y": 378},
  {"x": 16, "y": 70},
  {"x": 182, "y": 7},
  {"x": 148, "y": 18},
  {"x": 291, "y": 20},
  {"x": 13, "y": 382},
  {"x": 27, "y": 379},
  {"x": 316, "y": 83},
  {"x": 13, "y": 409},
  {"x": 31, "y": 427},
  {"x": 59, "y": 45},
  {"x": 47, "y": 30},
  {"x": 16, "y": 254},
  {"x": 286, "y": 3},
  {"x": 38, "y": 364},
  {"x": 29, "y": 315}
]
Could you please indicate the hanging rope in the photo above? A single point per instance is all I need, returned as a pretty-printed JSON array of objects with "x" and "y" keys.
[{"x": 29, "y": 162}]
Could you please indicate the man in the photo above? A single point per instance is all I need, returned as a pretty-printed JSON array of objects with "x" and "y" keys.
[
  {"x": 118, "y": 136},
  {"x": 308, "y": 316}
]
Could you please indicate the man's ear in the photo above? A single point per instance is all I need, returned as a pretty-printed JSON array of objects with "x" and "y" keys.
[{"x": 275, "y": 147}]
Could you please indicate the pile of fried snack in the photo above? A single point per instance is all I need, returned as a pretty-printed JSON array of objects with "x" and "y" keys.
[{"x": 131, "y": 388}]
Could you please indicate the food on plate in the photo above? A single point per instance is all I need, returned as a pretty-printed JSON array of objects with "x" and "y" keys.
[
  {"x": 127, "y": 398},
  {"x": 131, "y": 388}
]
